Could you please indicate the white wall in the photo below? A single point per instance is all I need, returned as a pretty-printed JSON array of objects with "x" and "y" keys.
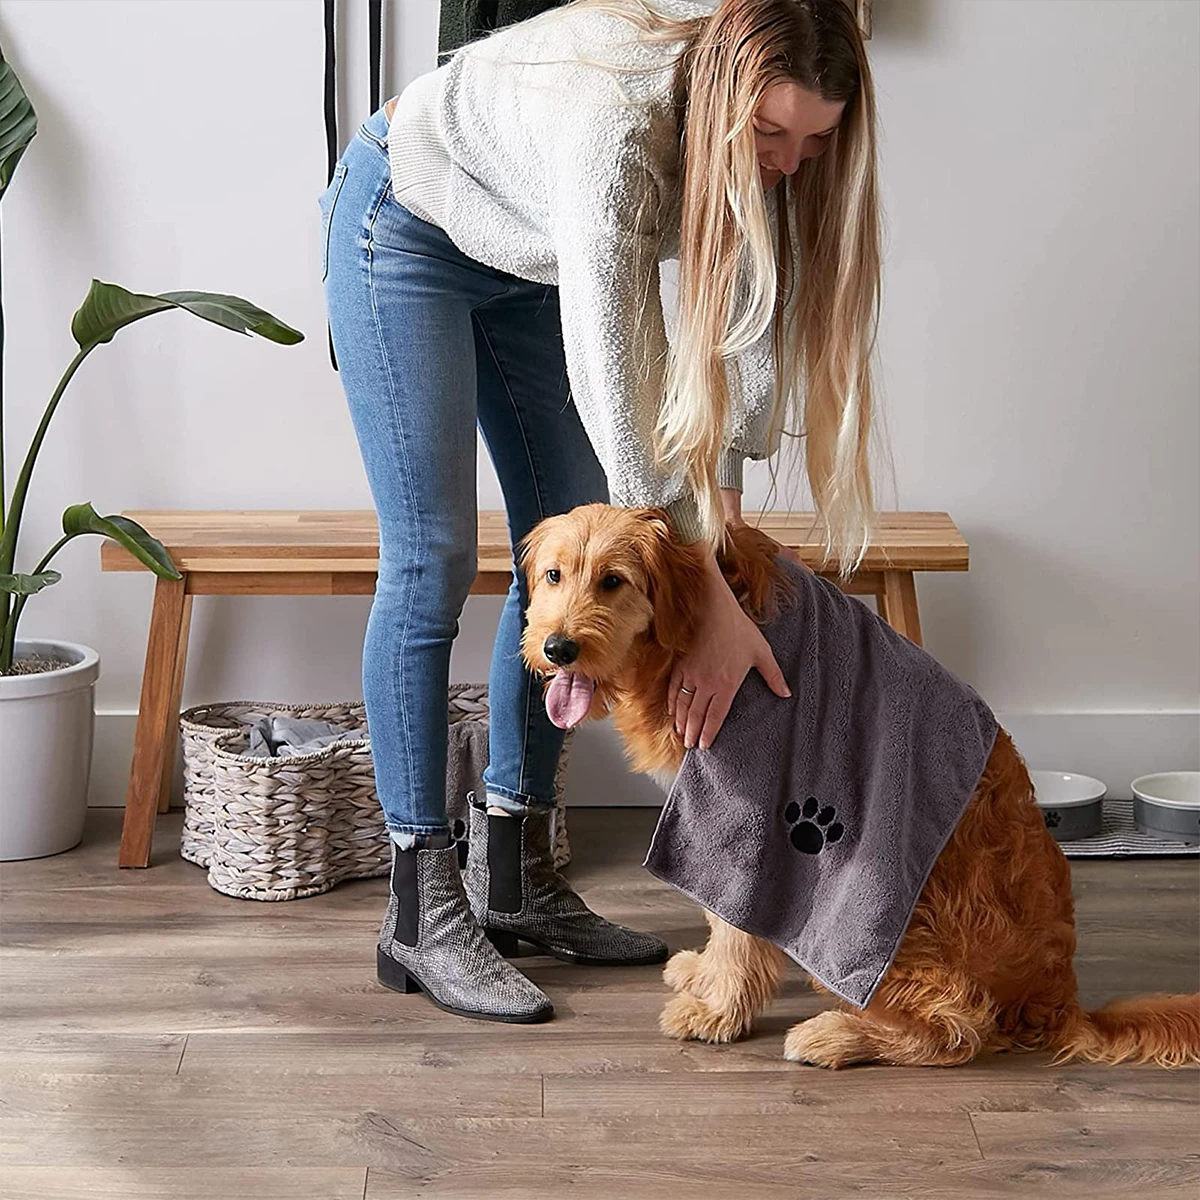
[{"x": 1039, "y": 343}]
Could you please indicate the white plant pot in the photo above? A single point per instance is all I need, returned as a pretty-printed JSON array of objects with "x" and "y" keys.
[{"x": 46, "y": 723}]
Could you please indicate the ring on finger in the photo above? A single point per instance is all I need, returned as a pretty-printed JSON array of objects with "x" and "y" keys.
[{"x": 687, "y": 691}]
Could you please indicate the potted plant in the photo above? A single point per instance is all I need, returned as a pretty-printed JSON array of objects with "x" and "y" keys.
[{"x": 47, "y": 687}]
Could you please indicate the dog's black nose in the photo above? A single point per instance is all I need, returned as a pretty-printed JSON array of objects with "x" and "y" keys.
[{"x": 560, "y": 650}]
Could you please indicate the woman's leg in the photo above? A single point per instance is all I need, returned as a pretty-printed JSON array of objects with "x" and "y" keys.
[
  {"x": 400, "y": 312},
  {"x": 400, "y": 298},
  {"x": 546, "y": 465}
]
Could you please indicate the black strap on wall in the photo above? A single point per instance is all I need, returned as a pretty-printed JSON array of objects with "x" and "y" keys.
[
  {"x": 331, "y": 135},
  {"x": 375, "y": 23},
  {"x": 375, "y": 65}
]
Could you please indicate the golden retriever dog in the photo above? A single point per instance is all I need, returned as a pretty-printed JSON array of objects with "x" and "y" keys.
[{"x": 986, "y": 963}]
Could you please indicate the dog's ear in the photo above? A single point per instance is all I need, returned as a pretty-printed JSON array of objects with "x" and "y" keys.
[
  {"x": 748, "y": 562},
  {"x": 529, "y": 552},
  {"x": 675, "y": 580}
]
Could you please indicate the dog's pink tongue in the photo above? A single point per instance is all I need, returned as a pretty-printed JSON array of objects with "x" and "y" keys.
[{"x": 568, "y": 698}]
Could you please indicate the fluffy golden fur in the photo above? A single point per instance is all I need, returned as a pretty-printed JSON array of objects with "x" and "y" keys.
[{"x": 986, "y": 963}]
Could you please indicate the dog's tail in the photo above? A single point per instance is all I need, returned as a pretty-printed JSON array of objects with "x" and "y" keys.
[{"x": 1159, "y": 1029}]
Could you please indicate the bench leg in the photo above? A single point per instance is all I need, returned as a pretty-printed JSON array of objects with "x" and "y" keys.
[
  {"x": 153, "y": 722},
  {"x": 898, "y": 604},
  {"x": 172, "y": 739}
]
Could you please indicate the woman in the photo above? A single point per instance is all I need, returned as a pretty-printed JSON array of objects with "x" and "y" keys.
[{"x": 493, "y": 241}]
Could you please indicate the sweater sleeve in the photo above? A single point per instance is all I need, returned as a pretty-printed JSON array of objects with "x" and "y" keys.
[
  {"x": 605, "y": 238},
  {"x": 752, "y": 394},
  {"x": 752, "y": 380}
]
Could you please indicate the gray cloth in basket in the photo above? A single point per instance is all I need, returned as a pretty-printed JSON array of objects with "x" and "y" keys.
[
  {"x": 814, "y": 822},
  {"x": 277, "y": 735}
]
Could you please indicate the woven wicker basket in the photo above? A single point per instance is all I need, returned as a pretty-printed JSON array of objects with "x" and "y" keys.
[{"x": 285, "y": 828}]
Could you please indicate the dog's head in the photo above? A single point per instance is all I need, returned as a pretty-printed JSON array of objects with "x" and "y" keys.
[{"x": 609, "y": 591}]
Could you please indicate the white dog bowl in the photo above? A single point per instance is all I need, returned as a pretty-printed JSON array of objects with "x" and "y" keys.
[
  {"x": 1072, "y": 805},
  {"x": 1167, "y": 805}
]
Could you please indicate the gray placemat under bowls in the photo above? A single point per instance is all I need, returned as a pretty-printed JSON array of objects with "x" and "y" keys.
[{"x": 1121, "y": 838}]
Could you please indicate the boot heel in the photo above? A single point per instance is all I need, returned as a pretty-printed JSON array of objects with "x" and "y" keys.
[
  {"x": 392, "y": 975},
  {"x": 504, "y": 941}
]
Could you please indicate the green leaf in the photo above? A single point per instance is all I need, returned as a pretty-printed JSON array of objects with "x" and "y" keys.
[
  {"x": 109, "y": 307},
  {"x": 237, "y": 314},
  {"x": 83, "y": 518},
  {"x": 28, "y": 585},
  {"x": 18, "y": 122}
]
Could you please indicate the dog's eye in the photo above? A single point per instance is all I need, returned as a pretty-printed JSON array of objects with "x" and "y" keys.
[
  {"x": 611, "y": 582},
  {"x": 554, "y": 575}
]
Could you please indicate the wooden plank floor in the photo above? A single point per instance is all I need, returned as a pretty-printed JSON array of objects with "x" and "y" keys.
[{"x": 160, "y": 1040}]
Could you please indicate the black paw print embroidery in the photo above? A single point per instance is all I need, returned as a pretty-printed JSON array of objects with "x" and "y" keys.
[
  {"x": 1053, "y": 817},
  {"x": 817, "y": 830}
]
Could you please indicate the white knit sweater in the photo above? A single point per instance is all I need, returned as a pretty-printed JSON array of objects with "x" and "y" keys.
[{"x": 537, "y": 161}]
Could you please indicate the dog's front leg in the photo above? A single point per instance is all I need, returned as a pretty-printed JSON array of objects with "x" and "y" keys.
[{"x": 723, "y": 988}]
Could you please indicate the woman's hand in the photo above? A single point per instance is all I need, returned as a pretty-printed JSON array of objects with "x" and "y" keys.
[{"x": 728, "y": 645}]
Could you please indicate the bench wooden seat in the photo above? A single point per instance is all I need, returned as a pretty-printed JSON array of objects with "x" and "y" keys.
[{"x": 295, "y": 553}]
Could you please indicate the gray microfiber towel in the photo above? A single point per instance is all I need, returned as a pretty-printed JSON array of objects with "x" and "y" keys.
[
  {"x": 814, "y": 822},
  {"x": 277, "y": 735}
]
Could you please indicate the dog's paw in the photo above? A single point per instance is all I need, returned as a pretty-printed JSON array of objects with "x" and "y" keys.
[
  {"x": 682, "y": 972},
  {"x": 830, "y": 1039},
  {"x": 690, "y": 1018},
  {"x": 813, "y": 827}
]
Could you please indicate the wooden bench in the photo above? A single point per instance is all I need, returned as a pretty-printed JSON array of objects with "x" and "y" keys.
[{"x": 336, "y": 554}]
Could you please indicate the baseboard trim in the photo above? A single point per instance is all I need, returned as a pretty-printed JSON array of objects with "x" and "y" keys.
[{"x": 1114, "y": 747}]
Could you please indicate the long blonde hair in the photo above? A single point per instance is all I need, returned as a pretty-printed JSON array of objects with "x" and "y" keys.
[{"x": 819, "y": 293}]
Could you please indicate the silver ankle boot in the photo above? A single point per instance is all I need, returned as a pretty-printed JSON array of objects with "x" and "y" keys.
[
  {"x": 515, "y": 892},
  {"x": 430, "y": 942}
]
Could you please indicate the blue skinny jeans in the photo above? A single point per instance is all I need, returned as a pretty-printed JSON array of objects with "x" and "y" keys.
[{"x": 429, "y": 343}]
